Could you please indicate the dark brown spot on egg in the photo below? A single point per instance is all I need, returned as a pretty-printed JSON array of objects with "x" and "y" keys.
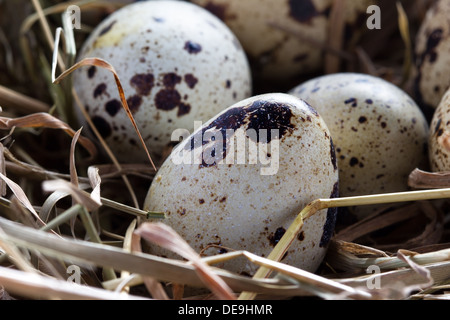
[
  {"x": 313, "y": 110},
  {"x": 275, "y": 237},
  {"x": 112, "y": 107},
  {"x": 353, "y": 162},
  {"x": 91, "y": 71},
  {"x": 301, "y": 236},
  {"x": 434, "y": 39},
  {"x": 134, "y": 102},
  {"x": 102, "y": 126},
  {"x": 261, "y": 117},
  {"x": 352, "y": 101},
  {"x": 183, "y": 109},
  {"x": 201, "y": 201},
  {"x": 143, "y": 83},
  {"x": 330, "y": 223},
  {"x": 302, "y": 11},
  {"x": 192, "y": 47},
  {"x": 190, "y": 80},
  {"x": 437, "y": 126},
  {"x": 171, "y": 79},
  {"x": 333, "y": 155},
  {"x": 362, "y": 119},
  {"x": 167, "y": 99},
  {"x": 107, "y": 28},
  {"x": 99, "y": 90}
]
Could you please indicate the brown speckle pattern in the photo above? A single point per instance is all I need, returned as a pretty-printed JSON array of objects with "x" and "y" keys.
[
  {"x": 233, "y": 204},
  {"x": 439, "y": 156},
  {"x": 431, "y": 57},
  {"x": 276, "y": 55},
  {"x": 170, "y": 78},
  {"x": 377, "y": 143}
]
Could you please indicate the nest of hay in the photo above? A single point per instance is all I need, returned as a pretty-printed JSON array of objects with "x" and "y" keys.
[{"x": 69, "y": 214}]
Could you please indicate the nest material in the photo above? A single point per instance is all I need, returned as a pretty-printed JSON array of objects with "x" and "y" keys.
[{"x": 56, "y": 227}]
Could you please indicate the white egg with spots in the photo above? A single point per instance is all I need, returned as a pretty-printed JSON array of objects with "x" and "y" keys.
[
  {"x": 177, "y": 63},
  {"x": 240, "y": 180},
  {"x": 379, "y": 132},
  {"x": 432, "y": 58},
  {"x": 439, "y": 136},
  {"x": 284, "y": 39}
]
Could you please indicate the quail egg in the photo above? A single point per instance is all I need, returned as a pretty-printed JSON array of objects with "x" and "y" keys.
[
  {"x": 239, "y": 181},
  {"x": 432, "y": 58},
  {"x": 177, "y": 63},
  {"x": 380, "y": 133},
  {"x": 439, "y": 148},
  {"x": 276, "y": 54}
]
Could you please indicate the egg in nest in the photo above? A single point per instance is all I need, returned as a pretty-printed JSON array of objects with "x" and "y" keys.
[
  {"x": 177, "y": 63},
  {"x": 239, "y": 181},
  {"x": 379, "y": 132}
]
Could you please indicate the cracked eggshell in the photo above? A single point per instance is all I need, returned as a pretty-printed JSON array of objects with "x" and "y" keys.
[
  {"x": 432, "y": 55},
  {"x": 177, "y": 63},
  {"x": 235, "y": 204},
  {"x": 380, "y": 134},
  {"x": 276, "y": 54},
  {"x": 439, "y": 151}
]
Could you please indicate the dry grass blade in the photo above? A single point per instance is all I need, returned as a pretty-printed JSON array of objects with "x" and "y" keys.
[
  {"x": 80, "y": 196},
  {"x": 420, "y": 270},
  {"x": 420, "y": 179},
  {"x": 46, "y": 28},
  {"x": 152, "y": 285},
  {"x": 12, "y": 99},
  {"x": 45, "y": 120},
  {"x": 2, "y": 170},
  {"x": 404, "y": 31},
  {"x": 315, "y": 283},
  {"x": 166, "y": 237},
  {"x": 429, "y": 233},
  {"x": 72, "y": 167},
  {"x": 75, "y": 251},
  {"x": 41, "y": 287},
  {"x": 291, "y": 233},
  {"x": 343, "y": 259},
  {"x": 104, "y": 64},
  {"x": 21, "y": 196},
  {"x": 95, "y": 181}
]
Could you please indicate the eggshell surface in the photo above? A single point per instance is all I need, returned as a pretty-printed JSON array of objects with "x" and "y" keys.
[
  {"x": 380, "y": 134},
  {"x": 284, "y": 39},
  {"x": 439, "y": 148},
  {"x": 177, "y": 63},
  {"x": 218, "y": 202},
  {"x": 432, "y": 58}
]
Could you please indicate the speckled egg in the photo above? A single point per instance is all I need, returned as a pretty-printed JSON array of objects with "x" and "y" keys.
[
  {"x": 432, "y": 55},
  {"x": 177, "y": 63},
  {"x": 278, "y": 54},
  {"x": 239, "y": 181},
  {"x": 379, "y": 132},
  {"x": 438, "y": 143}
]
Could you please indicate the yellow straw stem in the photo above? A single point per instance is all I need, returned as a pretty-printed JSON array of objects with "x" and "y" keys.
[{"x": 319, "y": 204}]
